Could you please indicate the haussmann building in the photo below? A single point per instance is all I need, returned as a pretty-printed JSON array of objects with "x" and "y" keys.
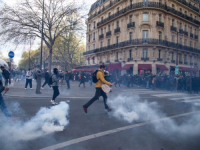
[{"x": 137, "y": 37}]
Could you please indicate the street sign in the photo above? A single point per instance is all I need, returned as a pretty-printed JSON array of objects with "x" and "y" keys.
[
  {"x": 176, "y": 70},
  {"x": 11, "y": 54}
]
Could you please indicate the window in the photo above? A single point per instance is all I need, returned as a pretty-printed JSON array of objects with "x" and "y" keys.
[
  {"x": 159, "y": 54},
  {"x": 190, "y": 59},
  {"x": 173, "y": 6},
  {"x": 117, "y": 40},
  {"x": 144, "y": 1},
  {"x": 94, "y": 36},
  {"x": 108, "y": 28},
  {"x": 172, "y": 55},
  {"x": 180, "y": 25},
  {"x": 145, "y": 53},
  {"x": 185, "y": 58},
  {"x": 181, "y": 10},
  {"x": 185, "y": 28},
  {"x": 109, "y": 14},
  {"x": 101, "y": 44},
  {"x": 190, "y": 43},
  {"x": 116, "y": 55},
  {"x": 93, "y": 60},
  {"x": 185, "y": 12},
  {"x": 117, "y": 24},
  {"x": 88, "y": 48},
  {"x": 173, "y": 38},
  {"x": 190, "y": 29},
  {"x": 89, "y": 38},
  {"x": 145, "y": 35},
  {"x": 131, "y": 2},
  {"x": 118, "y": 10},
  {"x": 180, "y": 40},
  {"x": 145, "y": 17},
  {"x": 93, "y": 46},
  {"x": 130, "y": 36},
  {"x": 89, "y": 27},
  {"x": 94, "y": 24},
  {"x": 108, "y": 57},
  {"x": 130, "y": 53},
  {"x": 191, "y": 15},
  {"x": 88, "y": 61},
  {"x": 131, "y": 19},
  {"x": 101, "y": 31},
  {"x": 160, "y": 35},
  {"x": 195, "y": 31},
  {"x": 160, "y": 18},
  {"x": 173, "y": 23},
  {"x": 195, "y": 45},
  {"x": 180, "y": 57},
  {"x": 108, "y": 42},
  {"x": 185, "y": 42}
]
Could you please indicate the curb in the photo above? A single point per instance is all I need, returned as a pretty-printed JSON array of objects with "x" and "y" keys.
[{"x": 18, "y": 96}]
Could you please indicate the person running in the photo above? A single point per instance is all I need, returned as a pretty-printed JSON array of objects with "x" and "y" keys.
[
  {"x": 29, "y": 77},
  {"x": 6, "y": 75},
  {"x": 55, "y": 85},
  {"x": 46, "y": 77},
  {"x": 82, "y": 80},
  {"x": 99, "y": 91}
]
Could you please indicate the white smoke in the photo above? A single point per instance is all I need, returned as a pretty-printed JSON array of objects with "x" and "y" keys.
[
  {"x": 46, "y": 121},
  {"x": 132, "y": 109}
]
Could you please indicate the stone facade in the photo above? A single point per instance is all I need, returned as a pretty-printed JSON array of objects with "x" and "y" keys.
[{"x": 137, "y": 32}]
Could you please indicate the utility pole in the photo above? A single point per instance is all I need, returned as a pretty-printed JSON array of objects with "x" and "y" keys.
[
  {"x": 42, "y": 36},
  {"x": 29, "y": 54}
]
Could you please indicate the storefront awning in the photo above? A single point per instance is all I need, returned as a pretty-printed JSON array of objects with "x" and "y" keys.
[
  {"x": 144, "y": 67},
  {"x": 127, "y": 66},
  {"x": 91, "y": 69},
  {"x": 162, "y": 67},
  {"x": 186, "y": 69},
  {"x": 112, "y": 67}
]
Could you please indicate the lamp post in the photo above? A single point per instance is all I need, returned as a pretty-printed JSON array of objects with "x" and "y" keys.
[
  {"x": 29, "y": 54},
  {"x": 42, "y": 35}
]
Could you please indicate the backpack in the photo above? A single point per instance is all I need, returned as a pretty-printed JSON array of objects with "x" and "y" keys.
[
  {"x": 50, "y": 80},
  {"x": 94, "y": 77}
]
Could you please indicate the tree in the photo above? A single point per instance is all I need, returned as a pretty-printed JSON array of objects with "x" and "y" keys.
[
  {"x": 69, "y": 49},
  {"x": 24, "y": 21}
]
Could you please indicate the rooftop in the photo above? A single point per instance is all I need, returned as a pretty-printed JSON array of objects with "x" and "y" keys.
[{"x": 96, "y": 4}]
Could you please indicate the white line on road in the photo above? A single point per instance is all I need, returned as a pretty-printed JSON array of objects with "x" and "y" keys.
[
  {"x": 181, "y": 98},
  {"x": 169, "y": 94},
  {"x": 190, "y": 101},
  {"x": 93, "y": 136}
]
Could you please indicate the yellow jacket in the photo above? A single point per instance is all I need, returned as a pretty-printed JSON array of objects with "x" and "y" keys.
[{"x": 100, "y": 77}]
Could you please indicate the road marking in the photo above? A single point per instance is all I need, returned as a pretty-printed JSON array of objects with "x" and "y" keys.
[
  {"x": 180, "y": 98},
  {"x": 169, "y": 94},
  {"x": 190, "y": 101},
  {"x": 93, "y": 136}
]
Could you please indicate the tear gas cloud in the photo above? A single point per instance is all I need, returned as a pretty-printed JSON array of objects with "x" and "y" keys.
[
  {"x": 132, "y": 109},
  {"x": 46, "y": 121}
]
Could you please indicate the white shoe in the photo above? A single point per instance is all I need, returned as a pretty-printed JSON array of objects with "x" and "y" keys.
[
  {"x": 51, "y": 101},
  {"x": 31, "y": 88},
  {"x": 54, "y": 103},
  {"x": 25, "y": 88},
  {"x": 42, "y": 88}
]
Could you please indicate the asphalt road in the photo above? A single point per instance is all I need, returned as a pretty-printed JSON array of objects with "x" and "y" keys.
[{"x": 98, "y": 130}]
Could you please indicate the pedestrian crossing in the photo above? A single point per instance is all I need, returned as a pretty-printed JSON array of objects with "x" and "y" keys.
[{"x": 171, "y": 96}]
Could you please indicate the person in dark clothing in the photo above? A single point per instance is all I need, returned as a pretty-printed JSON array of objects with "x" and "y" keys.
[
  {"x": 82, "y": 80},
  {"x": 46, "y": 77},
  {"x": 6, "y": 75},
  {"x": 99, "y": 91},
  {"x": 38, "y": 75},
  {"x": 67, "y": 79}
]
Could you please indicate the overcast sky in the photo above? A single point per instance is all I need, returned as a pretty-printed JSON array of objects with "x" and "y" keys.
[{"x": 19, "y": 50}]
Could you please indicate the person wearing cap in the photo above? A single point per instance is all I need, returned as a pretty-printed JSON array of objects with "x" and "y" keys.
[
  {"x": 99, "y": 92},
  {"x": 55, "y": 85}
]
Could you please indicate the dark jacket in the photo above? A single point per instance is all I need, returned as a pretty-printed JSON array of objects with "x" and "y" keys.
[
  {"x": 6, "y": 74},
  {"x": 46, "y": 76}
]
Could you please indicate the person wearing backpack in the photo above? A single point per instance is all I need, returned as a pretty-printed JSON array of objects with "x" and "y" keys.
[
  {"x": 54, "y": 81},
  {"x": 29, "y": 77},
  {"x": 98, "y": 78}
]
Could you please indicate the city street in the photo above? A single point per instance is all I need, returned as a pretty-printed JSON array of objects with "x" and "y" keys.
[{"x": 98, "y": 130}]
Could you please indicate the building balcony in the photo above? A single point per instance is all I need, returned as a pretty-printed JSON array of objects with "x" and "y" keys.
[
  {"x": 185, "y": 63},
  {"x": 116, "y": 60},
  {"x": 108, "y": 61},
  {"x": 108, "y": 33},
  {"x": 180, "y": 62},
  {"x": 181, "y": 31},
  {"x": 173, "y": 28},
  {"x": 117, "y": 30},
  {"x": 191, "y": 35},
  {"x": 191, "y": 64},
  {"x": 189, "y": 5},
  {"x": 129, "y": 59},
  {"x": 131, "y": 25},
  {"x": 185, "y": 33},
  {"x": 195, "y": 64},
  {"x": 196, "y": 37},
  {"x": 159, "y": 24},
  {"x": 145, "y": 58},
  {"x": 101, "y": 36},
  {"x": 172, "y": 61},
  {"x": 159, "y": 59}
]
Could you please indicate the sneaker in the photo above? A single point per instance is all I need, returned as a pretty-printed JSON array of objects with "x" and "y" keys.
[
  {"x": 25, "y": 88},
  {"x": 31, "y": 88},
  {"x": 42, "y": 88},
  {"x": 85, "y": 109},
  {"x": 53, "y": 102}
]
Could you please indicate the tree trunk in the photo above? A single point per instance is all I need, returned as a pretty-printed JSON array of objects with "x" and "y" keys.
[{"x": 50, "y": 58}]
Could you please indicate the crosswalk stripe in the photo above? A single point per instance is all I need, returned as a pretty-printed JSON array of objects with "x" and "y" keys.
[{"x": 190, "y": 101}]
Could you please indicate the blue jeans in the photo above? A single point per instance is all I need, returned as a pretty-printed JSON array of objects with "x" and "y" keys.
[
  {"x": 3, "y": 107},
  {"x": 68, "y": 84},
  {"x": 90, "y": 81}
]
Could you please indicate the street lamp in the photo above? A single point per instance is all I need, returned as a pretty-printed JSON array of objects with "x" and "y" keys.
[{"x": 42, "y": 35}]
